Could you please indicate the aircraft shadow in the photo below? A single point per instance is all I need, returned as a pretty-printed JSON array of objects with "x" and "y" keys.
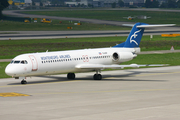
[
  {"x": 90, "y": 78},
  {"x": 53, "y": 80}
]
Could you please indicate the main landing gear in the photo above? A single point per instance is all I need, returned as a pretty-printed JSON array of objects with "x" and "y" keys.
[
  {"x": 97, "y": 76},
  {"x": 23, "y": 82},
  {"x": 71, "y": 76}
]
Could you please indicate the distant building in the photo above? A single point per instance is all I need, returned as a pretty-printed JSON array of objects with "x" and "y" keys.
[
  {"x": 103, "y": 3},
  {"x": 108, "y": 3},
  {"x": 162, "y": 1},
  {"x": 138, "y": 3},
  {"x": 46, "y": 3},
  {"x": 36, "y": 0},
  {"x": 28, "y": 1},
  {"x": 78, "y": 2},
  {"x": 95, "y": 3},
  {"x": 19, "y": 2},
  {"x": 98, "y": 3}
]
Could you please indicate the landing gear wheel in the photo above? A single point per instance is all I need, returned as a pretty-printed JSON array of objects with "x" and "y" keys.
[
  {"x": 71, "y": 76},
  {"x": 97, "y": 77},
  {"x": 23, "y": 82}
]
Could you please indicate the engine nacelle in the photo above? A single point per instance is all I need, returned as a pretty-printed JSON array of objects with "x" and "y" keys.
[{"x": 119, "y": 57}]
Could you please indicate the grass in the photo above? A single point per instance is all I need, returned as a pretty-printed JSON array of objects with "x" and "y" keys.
[
  {"x": 54, "y": 26},
  {"x": 116, "y": 15},
  {"x": 11, "y": 48},
  {"x": 170, "y": 58},
  {"x": 2, "y": 69}
]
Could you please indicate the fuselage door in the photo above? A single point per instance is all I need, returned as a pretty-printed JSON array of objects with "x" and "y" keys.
[{"x": 34, "y": 63}]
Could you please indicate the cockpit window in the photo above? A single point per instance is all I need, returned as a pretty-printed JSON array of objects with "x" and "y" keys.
[
  {"x": 18, "y": 61},
  {"x": 12, "y": 61},
  {"x": 24, "y": 62}
]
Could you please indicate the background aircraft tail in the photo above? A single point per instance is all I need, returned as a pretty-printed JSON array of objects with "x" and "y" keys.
[{"x": 134, "y": 38}]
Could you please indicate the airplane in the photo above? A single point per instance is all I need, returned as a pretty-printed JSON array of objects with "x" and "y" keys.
[
  {"x": 143, "y": 17},
  {"x": 84, "y": 60},
  {"x": 129, "y": 17}
]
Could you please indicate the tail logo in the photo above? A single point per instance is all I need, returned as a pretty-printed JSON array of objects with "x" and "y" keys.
[{"x": 134, "y": 36}]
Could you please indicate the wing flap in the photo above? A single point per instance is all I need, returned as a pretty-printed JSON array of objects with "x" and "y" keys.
[{"x": 100, "y": 66}]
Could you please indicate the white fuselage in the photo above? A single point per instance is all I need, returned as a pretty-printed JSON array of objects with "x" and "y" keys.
[{"x": 45, "y": 63}]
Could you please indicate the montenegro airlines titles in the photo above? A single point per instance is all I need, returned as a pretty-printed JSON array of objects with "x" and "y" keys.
[{"x": 46, "y": 63}]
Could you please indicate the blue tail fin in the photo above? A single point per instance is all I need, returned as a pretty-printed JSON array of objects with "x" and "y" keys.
[{"x": 134, "y": 37}]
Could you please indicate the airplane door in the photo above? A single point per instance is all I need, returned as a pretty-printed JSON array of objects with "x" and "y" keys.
[{"x": 34, "y": 63}]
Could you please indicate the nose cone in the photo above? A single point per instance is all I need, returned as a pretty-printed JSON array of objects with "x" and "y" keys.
[{"x": 9, "y": 70}]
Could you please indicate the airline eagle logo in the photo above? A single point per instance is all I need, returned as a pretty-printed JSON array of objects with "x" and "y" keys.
[{"x": 134, "y": 36}]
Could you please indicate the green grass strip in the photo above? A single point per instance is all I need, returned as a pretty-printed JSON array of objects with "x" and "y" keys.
[
  {"x": 157, "y": 17},
  {"x": 11, "y": 48}
]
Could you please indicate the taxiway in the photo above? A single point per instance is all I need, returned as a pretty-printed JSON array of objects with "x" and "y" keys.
[{"x": 134, "y": 94}]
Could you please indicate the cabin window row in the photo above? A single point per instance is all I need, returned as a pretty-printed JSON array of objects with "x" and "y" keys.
[
  {"x": 97, "y": 57},
  {"x": 75, "y": 59}
]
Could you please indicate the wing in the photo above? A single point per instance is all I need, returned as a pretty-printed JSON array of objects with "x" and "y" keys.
[{"x": 100, "y": 66}]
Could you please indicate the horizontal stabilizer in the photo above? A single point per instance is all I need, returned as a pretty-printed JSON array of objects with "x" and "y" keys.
[{"x": 149, "y": 26}]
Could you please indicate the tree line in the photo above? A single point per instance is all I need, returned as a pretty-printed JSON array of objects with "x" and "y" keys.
[
  {"x": 3, "y": 4},
  {"x": 148, "y": 4},
  {"x": 156, "y": 4}
]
